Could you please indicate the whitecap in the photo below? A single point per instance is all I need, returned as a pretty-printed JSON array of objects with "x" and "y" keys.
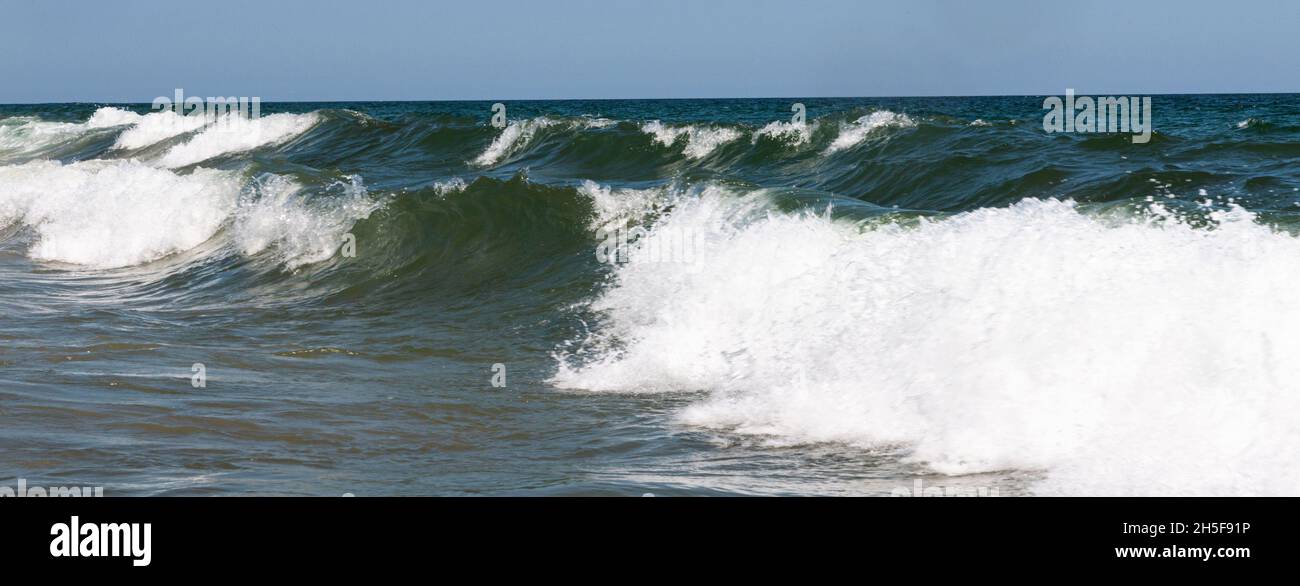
[{"x": 1114, "y": 357}]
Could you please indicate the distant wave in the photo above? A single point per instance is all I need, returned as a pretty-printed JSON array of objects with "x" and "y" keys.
[
  {"x": 700, "y": 140},
  {"x": 156, "y": 127},
  {"x": 175, "y": 141},
  {"x": 234, "y": 134},
  {"x": 518, "y": 133},
  {"x": 853, "y": 133},
  {"x": 787, "y": 131},
  {"x": 25, "y": 138},
  {"x": 512, "y": 137},
  {"x": 28, "y": 136}
]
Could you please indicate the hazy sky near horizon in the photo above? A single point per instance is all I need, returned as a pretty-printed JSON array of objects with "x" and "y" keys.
[{"x": 132, "y": 51}]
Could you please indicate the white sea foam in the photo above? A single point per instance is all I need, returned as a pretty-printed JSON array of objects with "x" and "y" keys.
[
  {"x": 700, "y": 140},
  {"x": 852, "y": 134},
  {"x": 621, "y": 206},
  {"x": 108, "y": 214},
  {"x": 453, "y": 185},
  {"x": 277, "y": 213},
  {"x": 25, "y": 134},
  {"x": 789, "y": 132},
  {"x": 109, "y": 117},
  {"x": 512, "y": 138},
  {"x": 32, "y": 134},
  {"x": 21, "y": 134},
  {"x": 596, "y": 122},
  {"x": 156, "y": 127},
  {"x": 235, "y": 134},
  {"x": 1117, "y": 357}
]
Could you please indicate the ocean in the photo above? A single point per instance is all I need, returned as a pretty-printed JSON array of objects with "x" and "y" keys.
[{"x": 667, "y": 297}]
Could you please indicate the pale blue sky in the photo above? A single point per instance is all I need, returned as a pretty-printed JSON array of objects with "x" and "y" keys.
[{"x": 128, "y": 50}]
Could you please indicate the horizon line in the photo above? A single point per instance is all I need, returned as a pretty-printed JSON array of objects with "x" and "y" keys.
[{"x": 879, "y": 97}]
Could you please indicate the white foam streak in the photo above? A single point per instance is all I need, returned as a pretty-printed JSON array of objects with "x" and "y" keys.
[
  {"x": 852, "y": 134},
  {"x": 234, "y": 134},
  {"x": 790, "y": 132},
  {"x": 700, "y": 140},
  {"x": 156, "y": 127},
  {"x": 1117, "y": 357},
  {"x": 515, "y": 135},
  {"x": 108, "y": 117}
]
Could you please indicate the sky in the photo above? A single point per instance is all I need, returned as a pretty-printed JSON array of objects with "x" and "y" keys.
[{"x": 324, "y": 50}]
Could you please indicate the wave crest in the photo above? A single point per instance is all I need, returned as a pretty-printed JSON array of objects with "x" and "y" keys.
[
  {"x": 856, "y": 132},
  {"x": 700, "y": 140},
  {"x": 236, "y": 134}
]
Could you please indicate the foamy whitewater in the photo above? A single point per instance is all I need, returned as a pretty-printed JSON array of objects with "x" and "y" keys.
[
  {"x": 107, "y": 214},
  {"x": 157, "y": 127},
  {"x": 1028, "y": 337},
  {"x": 113, "y": 214},
  {"x": 891, "y": 290},
  {"x": 117, "y": 213}
]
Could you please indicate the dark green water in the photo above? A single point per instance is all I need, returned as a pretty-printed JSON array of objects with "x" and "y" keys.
[{"x": 901, "y": 289}]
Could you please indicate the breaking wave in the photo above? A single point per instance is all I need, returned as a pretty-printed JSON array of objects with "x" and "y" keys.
[
  {"x": 700, "y": 140},
  {"x": 234, "y": 134},
  {"x": 1098, "y": 349},
  {"x": 109, "y": 214}
]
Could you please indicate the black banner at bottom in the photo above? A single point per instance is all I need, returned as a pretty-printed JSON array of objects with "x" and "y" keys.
[{"x": 161, "y": 535}]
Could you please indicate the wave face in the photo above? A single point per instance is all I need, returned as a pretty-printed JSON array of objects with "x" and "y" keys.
[{"x": 896, "y": 289}]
